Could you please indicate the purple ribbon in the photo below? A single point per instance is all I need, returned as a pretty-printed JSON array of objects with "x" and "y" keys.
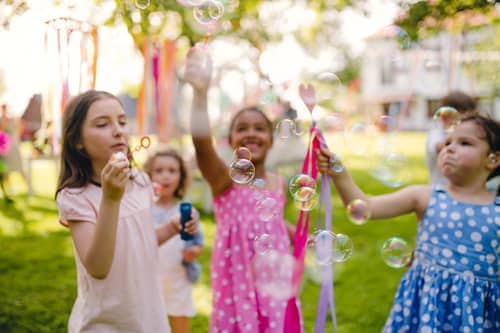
[{"x": 327, "y": 297}]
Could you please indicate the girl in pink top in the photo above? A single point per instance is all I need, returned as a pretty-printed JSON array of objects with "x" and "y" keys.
[
  {"x": 237, "y": 305},
  {"x": 107, "y": 207}
]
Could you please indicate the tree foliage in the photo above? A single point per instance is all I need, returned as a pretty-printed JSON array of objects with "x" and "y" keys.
[{"x": 421, "y": 18}]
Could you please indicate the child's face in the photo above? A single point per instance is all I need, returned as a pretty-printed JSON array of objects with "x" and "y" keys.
[
  {"x": 166, "y": 171},
  {"x": 104, "y": 131},
  {"x": 464, "y": 154},
  {"x": 252, "y": 131}
]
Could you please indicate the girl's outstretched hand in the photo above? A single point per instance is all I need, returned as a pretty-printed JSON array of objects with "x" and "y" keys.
[
  {"x": 114, "y": 178},
  {"x": 198, "y": 68}
]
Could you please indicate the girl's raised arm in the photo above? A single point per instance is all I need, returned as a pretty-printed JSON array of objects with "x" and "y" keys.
[
  {"x": 212, "y": 167},
  {"x": 407, "y": 200}
]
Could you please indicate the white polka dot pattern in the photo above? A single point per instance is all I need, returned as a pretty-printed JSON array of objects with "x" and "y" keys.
[
  {"x": 237, "y": 306},
  {"x": 454, "y": 282}
]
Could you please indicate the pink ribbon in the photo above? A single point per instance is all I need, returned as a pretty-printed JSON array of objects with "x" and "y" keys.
[{"x": 292, "y": 322}]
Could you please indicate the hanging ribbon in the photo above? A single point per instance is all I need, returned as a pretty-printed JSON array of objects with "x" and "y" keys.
[
  {"x": 326, "y": 300},
  {"x": 292, "y": 314}
]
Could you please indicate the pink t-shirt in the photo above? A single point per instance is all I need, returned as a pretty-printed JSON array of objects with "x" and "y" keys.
[
  {"x": 237, "y": 305},
  {"x": 129, "y": 298}
]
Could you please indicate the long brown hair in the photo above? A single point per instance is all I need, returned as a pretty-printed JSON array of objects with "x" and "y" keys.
[
  {"x": 180, "y": 191},
  {"x": 76, "y": 167}
]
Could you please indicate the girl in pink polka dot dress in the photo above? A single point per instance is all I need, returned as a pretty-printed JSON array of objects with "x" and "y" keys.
[{"x": 237, "y": 305}]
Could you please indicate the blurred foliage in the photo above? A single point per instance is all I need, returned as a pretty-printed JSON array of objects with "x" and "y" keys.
[
  {"x": 422, "y": 18},
  {"x": 172, "y": 19},
  {"x": 9, "y": 9}
]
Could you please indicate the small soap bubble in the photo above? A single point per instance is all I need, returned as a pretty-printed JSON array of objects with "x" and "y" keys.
[
  {"x": 343, "y": 248},
  {"x": 242, "y": 153},
  {"x": 335, "y": 163},
  {"x": 285, "y": 128},
  {"x": 392, "y": 170},
  {"x": 396, "y": 252},
  {"x": 208, "y": 11},
  {"x": 448, "y": 117},
  {"x": 302, "y": 187},
  {"x": 326, "y": 85},
  {"x": 273, "y": 274},
  {"x": 398, "y": 34},
  {"x": 358, "y": 211},
  {"x": 263, "y": 243},
  {"x": 242, "y": 171},
  {"x": 267, "y": 208},
  {"x": 300, "y": 126},
  {"x": 331, "y": 247},
  {"x": 142, "y": 4},
  {"x": 310, "y": 204}
]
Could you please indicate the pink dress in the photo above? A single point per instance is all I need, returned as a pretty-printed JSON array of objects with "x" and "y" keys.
[
  {"x": 129, "y": 298},
  {"x": 237, "y": 306}
]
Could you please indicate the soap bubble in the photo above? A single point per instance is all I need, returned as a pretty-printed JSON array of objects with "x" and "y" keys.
[
  {"x": 308, "y": 205},
  {"x": 448, "y": 117},
  {"x": 330, "y": 247},
  {"x": 396, "y": 252},
  {"x": 302, "y": 187},
  {"x": 142, "y": 4},
  {"x": 242, "y": 171},
  {"x": 263, "y": 244},
  {"x": 358, "y": 211},
  {"x": 273, "y": 274},
  {"x": 208, "y": 11},
  {"x": 285, "y": 128},
  {"x": 267, "y": 208}
]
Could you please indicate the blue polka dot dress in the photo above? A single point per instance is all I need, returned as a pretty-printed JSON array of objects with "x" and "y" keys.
[{"x": 453, "y": 284}]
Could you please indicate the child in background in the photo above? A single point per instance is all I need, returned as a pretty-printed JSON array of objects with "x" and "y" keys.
[
  {"x": 5, "y": 148},
  {"x": 107, "y": 207},
  {"x": 237, "y": 305},
  {"x": 178, "y": 268},
  {"x": 436, "y": 134},
  {"x": 453, "y": 284}
]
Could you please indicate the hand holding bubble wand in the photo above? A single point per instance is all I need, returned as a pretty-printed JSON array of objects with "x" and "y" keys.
[{"x": 144, "y": 143}]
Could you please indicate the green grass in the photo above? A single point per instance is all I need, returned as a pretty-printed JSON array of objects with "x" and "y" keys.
[{"x": 38, "y": 278}]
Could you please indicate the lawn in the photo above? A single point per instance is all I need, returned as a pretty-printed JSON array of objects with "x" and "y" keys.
[{"x": 38, "y": 278}]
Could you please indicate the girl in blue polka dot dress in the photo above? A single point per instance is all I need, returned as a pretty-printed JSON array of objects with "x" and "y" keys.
[{"x": 453, "y": 284}]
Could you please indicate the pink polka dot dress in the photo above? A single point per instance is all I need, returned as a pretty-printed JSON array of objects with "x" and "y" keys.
[{"x": 237, "y": 305}]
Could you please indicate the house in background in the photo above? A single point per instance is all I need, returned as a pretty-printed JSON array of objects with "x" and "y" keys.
[{"x": 409, "y": 81}]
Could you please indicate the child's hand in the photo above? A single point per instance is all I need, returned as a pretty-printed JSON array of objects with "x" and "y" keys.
[
  {"x": 192, "y": 225},
  {"x": 325, "y": 160},
  {"x": 198, "y": 68},
  {"x": 114, "y": 178},
  {"x": 191, "y": 253},
  {"x": 174, "y": 224}
]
